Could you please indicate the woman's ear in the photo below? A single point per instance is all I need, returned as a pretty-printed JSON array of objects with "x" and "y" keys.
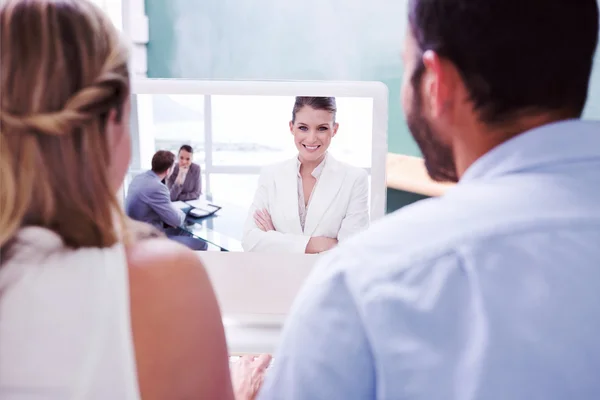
[
  {"x": 292, "y": 127},
  {"x": 119, "y": 146},
  {"x": 114, "y": 129},
  {"x": 117, "y": 126},
  {"x": 335, "y": 129}
]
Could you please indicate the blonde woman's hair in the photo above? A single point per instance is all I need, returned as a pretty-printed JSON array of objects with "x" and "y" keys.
[{"x": 63, "y": 69}]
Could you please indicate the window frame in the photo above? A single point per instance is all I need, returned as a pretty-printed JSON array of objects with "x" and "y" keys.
[{"x": 129, "y": 17}]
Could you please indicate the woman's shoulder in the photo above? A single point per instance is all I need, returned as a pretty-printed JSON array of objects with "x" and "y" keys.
[
  {"x": 195, "y": 167},
  {"x": 174, "y": 308},
  {"x": 34, "y": 247},
  {"x": 160, "y": 253},
  {"x": 147, "y": 246},
  {"x": 352, "y": 170}
]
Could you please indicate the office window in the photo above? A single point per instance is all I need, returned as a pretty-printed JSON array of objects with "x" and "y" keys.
[
  {"x": 179, "y": 120},
  {"x": 251, "y": 130},
  {"x": 166, "y": 122},
  {"x": 236, "y": 189}
]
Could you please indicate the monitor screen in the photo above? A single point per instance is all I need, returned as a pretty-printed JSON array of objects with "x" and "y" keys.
[{"x": 271, "y": 167}]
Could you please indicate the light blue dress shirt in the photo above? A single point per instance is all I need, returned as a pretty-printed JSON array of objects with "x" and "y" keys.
[{"x": 490, "y": 292}]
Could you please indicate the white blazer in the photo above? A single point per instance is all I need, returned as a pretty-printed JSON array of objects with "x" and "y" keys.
[{"x": 339, "y": 207}]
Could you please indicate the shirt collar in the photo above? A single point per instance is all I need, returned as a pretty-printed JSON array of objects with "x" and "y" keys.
[
  {"x": 318, "y": 169},
  {"x": 152, "y": 173},
  {"x": 554, "y": 143}
]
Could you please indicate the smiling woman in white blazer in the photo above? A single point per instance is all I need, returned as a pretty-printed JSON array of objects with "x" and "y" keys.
[{"x": 309, "y": 203}]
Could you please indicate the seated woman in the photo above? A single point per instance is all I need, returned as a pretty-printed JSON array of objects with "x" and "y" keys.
[
  {"x": 309, "y": 203},
  {"x": 185, "y": 182},
  {"x": 92, "y": 305}
]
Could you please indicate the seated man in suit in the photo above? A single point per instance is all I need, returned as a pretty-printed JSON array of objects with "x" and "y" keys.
[{"x": 148, "y": 200}]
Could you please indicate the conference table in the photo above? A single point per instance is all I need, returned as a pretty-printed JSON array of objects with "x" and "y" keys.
[{"x": 223, "y": 229}]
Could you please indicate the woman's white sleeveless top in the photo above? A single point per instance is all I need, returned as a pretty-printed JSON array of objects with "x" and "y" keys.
[{"x": 65, "y": 330}]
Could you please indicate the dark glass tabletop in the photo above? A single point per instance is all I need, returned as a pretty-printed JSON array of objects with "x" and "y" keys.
[{"x": 223, "y": 229}]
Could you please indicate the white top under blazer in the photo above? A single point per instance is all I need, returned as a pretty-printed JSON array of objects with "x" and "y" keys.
[
  {"x": 302, "y": 204},
  {"x": 338, "y": 207},
  {"x": 65, "y": 330}
]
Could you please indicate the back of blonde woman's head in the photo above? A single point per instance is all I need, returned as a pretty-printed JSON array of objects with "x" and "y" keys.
[{"x": 63, "y": 72}]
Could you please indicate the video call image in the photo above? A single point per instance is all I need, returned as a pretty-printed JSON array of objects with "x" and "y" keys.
[{"x": 279, "y": 174}]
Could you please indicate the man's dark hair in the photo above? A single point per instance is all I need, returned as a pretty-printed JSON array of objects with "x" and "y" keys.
[
  {"x": 516, "y": 57},
  {"x": 187, "y": 148},
  {"x": 162, "y": 161},
  {"x": 318, "y": 103}
]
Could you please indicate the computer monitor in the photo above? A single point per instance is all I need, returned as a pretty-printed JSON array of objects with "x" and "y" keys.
[{"x": 250, "y": 146}]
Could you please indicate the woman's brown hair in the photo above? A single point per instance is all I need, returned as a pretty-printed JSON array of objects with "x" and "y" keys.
[
  {"x": 317, "y": 103},
  {"x": 63, "y": 69}
]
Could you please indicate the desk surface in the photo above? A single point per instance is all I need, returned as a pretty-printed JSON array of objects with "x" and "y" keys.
[
  {"x": 223, "y": 229},
  {"x": 255, "y": 292},
  {"x": 252, "y": 336},
  {"x": 408, "y": 173}
]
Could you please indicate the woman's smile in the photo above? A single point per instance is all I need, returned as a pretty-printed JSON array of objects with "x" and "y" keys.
[{"x": 311, "y": 148}]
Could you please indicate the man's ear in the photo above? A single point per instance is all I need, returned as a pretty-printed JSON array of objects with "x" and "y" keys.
[
  {"x": 439, "y": 83},
  {"x": 433, "y": 83}
]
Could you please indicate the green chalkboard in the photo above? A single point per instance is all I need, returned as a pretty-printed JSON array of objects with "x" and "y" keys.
[
  {"x": 272, "y": 39},
  {"x": 306, "y": 40}
]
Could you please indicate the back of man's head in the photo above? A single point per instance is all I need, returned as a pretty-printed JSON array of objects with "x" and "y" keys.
[
  {"x": 514, "y": 56},
  {"x": 162, "y": 161}
]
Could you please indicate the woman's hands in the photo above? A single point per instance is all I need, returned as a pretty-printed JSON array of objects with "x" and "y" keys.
[
  {"x": 263, "y": 220},
  {"x": 181, "y": 175},
  {"x": 320, "y": 244},
  {"x": 248, "y": 374}
]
